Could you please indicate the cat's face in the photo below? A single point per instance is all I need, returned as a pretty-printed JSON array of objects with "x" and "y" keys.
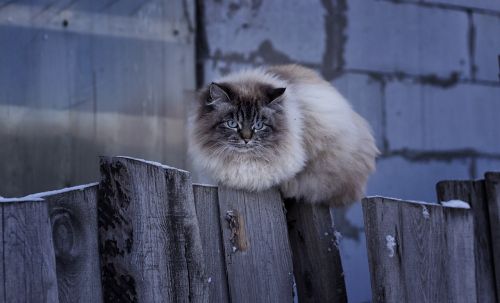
[{"x": 236, "y": 118}]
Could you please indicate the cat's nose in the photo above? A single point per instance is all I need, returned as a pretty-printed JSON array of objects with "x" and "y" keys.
[{"x": 246, "y": 135}]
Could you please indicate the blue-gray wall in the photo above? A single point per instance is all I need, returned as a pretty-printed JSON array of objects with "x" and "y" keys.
[
  {"x": 423, "y": 73},
  {"x": 79, "y": 79}
]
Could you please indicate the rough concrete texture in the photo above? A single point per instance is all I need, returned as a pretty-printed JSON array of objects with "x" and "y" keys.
[
  {"x": 486, "y": 165},
  {"x": 255, "y": 30},
  {"x": 217, "y": 68},
  {"x": 389, "y": 37},
  {"x": 366, "y": 96},
  {"x": 489, "y": 5},
  {"x": 487, "y": 47},
  {"x": 428, "y": 118},
  {"x": 401, "y": 178}
]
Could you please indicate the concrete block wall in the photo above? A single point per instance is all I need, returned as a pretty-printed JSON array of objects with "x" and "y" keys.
[{"x": 424, "y": 73}]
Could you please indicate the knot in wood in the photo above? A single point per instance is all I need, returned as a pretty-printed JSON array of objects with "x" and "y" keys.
[{"x": 64, "y": 233}]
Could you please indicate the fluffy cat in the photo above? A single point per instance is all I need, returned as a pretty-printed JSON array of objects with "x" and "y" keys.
[{"x": 282, "y": 126}]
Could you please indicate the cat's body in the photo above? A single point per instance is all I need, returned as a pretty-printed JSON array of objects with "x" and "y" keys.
[{"x": 282, "y": 126}]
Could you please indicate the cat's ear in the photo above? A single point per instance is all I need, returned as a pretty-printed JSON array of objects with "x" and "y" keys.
[
  {"x": 274, "y": 94},
  {"x": 216, "y": 93}
]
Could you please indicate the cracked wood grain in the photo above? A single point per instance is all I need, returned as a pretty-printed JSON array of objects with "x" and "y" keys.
[
  {"x": 255, "y": 240},
  {"x": 207, "y": 210},
  {"x": 316, "y": 257},
  {"x": 150, "y": 244},
  {"x": 419, "y": 252},
  {"x": 493, "y": 196},
  {"x": 28, "y": 267},
  {"x": 73, "y": 216},
  {"x": 474, "y": 193}
]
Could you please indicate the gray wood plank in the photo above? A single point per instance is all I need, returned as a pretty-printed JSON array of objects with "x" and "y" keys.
[
  {"x": 150, "y": 243},
  {"x": 256, "y": 246},
  {"x": 207, "y": 209},
  {"x": 474, "y": 193},
  {"x": 419, "y": 252},
  {"x": 316, "y": 257},
  {"x": 73, "y": 216},
  {"x": 493, "y": 196},
  {"x": 460, "y": 280},
  {"x": 29, "y": 268}
]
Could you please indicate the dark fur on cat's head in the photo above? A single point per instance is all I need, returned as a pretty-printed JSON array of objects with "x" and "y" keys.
[{"x": 240, "y": 117}]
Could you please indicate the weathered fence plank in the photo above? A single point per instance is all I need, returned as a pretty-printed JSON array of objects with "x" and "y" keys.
[
  {"x": 493, "y": 197},
  {"x": 149, "y": 242},
  {"x": 460, "y": 280},
  {"x": 257, "y": 251},
  {"x": 28, "y": 264},
  {"x": 73, "y": 215},
  {"x": 207, "y": 210},
  {"x": 316, "y": 258},
  {"x": 474, "y": 193},
  {"x": 419, "y": 252}
]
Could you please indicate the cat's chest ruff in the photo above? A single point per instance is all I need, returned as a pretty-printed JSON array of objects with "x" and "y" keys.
[{"x": 258, "y": 174}]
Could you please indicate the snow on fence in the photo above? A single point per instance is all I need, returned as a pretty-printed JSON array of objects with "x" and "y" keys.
[{"x": 145, "y": 233}]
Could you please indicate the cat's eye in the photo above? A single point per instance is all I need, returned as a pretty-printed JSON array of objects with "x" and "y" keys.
[
  {"x": 231, "y": 124},
  {"x": 258, "y": 125}
]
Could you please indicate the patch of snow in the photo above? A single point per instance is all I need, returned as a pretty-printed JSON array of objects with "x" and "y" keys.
[
  {"x": 455, "y": 204},
  {"x": 425, "y": 212},
  {"x": 294, "y": 291},
  {"x": 338, "y": 238},
  {"x": 21, "y": 199},
  {"x": 40, "y": 196},
  {"x": 152, "y": 163},
  {"x": 61, "y": 191},
  {"x": 402, "y": 200},
  {"x": 204, "y": 185},
  {"x": 390, "y": 244}
]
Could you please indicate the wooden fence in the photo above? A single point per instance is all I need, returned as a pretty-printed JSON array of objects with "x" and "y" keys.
[
  {"x": 446, "y": 252},
  {"x": 145, "y": 233}
]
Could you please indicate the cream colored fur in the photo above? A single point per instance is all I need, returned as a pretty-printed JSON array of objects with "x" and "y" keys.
[{"x": 329, "y": 151}]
